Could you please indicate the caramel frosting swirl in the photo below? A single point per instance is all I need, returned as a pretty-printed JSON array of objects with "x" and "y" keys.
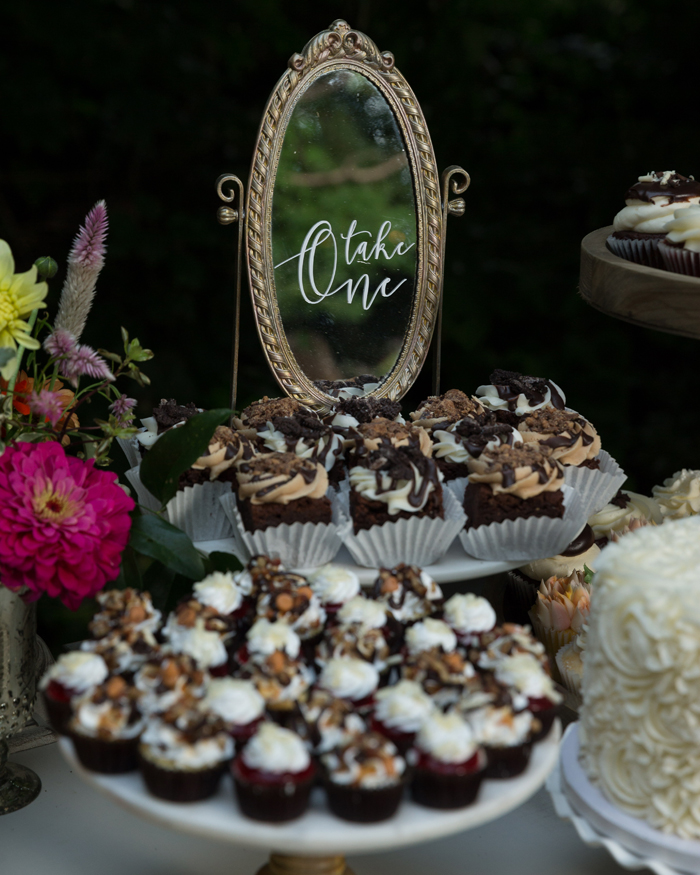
[
  {"x": 442, "y": 410},
  {"x": 280, "y": 478},
  {"x": 226, "y": 449},
  {"x": 571, "y": 438},
  {"x": 384, "y": 432},
  {"x": 521, "y": 471}
]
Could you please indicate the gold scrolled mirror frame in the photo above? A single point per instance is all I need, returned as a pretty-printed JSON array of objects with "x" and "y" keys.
[{"x": 341, "y": 47}]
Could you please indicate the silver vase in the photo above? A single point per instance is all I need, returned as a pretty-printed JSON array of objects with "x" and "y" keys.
[{"x": 18, "y": 669}]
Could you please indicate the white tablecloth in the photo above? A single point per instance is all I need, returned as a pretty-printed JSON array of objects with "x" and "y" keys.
[{"x": 73, "y": 830}]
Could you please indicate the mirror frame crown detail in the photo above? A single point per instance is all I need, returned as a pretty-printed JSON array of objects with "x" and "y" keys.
[{"x": 340, "y": 47}]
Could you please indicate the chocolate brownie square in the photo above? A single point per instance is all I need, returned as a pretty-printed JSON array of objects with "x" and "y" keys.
[
  {"x": 302, "y": 510},
  {"x": 482, "y": 506}
]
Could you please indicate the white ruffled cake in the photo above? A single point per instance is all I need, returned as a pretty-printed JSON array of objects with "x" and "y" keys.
[{"x": 640, "y": 722}]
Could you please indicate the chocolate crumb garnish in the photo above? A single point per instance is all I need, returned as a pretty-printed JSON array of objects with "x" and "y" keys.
[
  {"x": 566, "y": 428},
  {"x": 367, "y": 409},
  {"x": 476, "y": 436},
  {"x": 258, "y": 413},
  {"x": 170, "y": 413},
  {"x": 335, "y": 387},
  {"x": 505, "y": 459},
  {"x": 620, "y": 499},
  {"x": 451, "y": 407},
  {"x": 268, "y": 466}
]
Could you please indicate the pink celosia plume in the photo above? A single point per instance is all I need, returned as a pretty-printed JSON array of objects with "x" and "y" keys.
[
  {"x": 84, "y": 361},
  {"x": 85, "y": 262},
  {"x": 47, "y": 405},
  {"x": 60, "y": 343},
  {"x": 123, "y": 409},
  {"x": 63, "y": 523}
]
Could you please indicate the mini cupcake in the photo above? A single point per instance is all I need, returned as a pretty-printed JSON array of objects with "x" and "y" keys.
[
  {"x": 561, "y": 609},
  {"x": 519, "y": 394},
  {"x": 442, "y": 411},
  {"x": 505, "y": 737},
  {"x": 468, "y": 439},
  {"x": 168, "y": 414},
  {"x": 531, "y": 688},
  {"x": 166, "y": 680},
  {"x": 400, "y": 711},
  {"x": 124, "y": 650},
  {"x": 330, "y": 722},
  {"x": 122, "y": 609},
  {"x": 503, "y": 641},
  {"x": 183, "y": 753},
  {"x": 364, "y": 631},
  {"x": 73, "y": 674},
  {"x": 298, "y": 606},
  {"x": 334, "y": 585},
  {"x": 200, "y": 632},
  {"x": 226, "y": 449},
  {"x": 434, "y": 661},
  {"x": 449, "y": 764},
  {"x": 407, "y": 592},
  {"x": 364, "y": 779},
  {"x": 680, "y": 248},
  {"x": 354, "y": 680},
  {"x": 106, "y": 726},
  {"x": 273, "y": 775},
  {"x": 238, "y": 703},
  {"x": 469, "y": 616},
  {"x": 570, "y": 659},
  {"x": 640, "y": 226}
]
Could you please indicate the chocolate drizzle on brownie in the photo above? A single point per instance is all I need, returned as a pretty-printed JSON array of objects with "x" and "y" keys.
[
  {"x": 565, "y": 428},
  {"x": 511, "y": 384},
  {"x": 506, "y": 460},
  {"x": 307, "y": 428},
  {"x": 407, "y": 464},
  {"x": 367, "y": 409},
  {"x": 272, "y": 466},
  {"x": 675, "y": 187}
]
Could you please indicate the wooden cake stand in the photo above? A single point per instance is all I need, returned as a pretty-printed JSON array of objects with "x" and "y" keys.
[
  {"x": 316, "y": 843},
  {"x": 642, "y": 295}
]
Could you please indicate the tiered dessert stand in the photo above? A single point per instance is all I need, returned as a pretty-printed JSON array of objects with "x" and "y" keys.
[{"x": 317, "y": 842}]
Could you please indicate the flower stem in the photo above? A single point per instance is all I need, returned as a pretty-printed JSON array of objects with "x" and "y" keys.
[{"x": 20, "y": 354}]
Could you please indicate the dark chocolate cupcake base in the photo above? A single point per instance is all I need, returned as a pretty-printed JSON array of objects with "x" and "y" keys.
[
  {"x": 445, "y": 791},
  {"x": 110, "y": 757},
  {"x": 363, "y": 805},
  {"x": 272, "y": 801},
  {"x": 180, "y": 786},
  {"x": 507, "y": 762}
]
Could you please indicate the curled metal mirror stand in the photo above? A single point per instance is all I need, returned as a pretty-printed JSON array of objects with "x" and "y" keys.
[{"x": 231, "y": 190}]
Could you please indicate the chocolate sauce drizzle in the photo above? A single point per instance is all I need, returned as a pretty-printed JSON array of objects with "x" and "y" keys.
[
  {"x": 475, "y": 436},
  {"x": 310, "y": 430},
  {"x": 510, "y": 384},
  {"x": 678, "y": 188},
  {"x": 402, "y": 464}
]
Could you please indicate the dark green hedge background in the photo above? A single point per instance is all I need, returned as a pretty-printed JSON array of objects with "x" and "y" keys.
[{"x": 553, "y": 106}]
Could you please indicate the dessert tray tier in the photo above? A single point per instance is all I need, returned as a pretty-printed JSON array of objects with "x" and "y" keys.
[
  {"x": 632, "y": 842},
  {"x": 645, "y": 296},
  {"x": 318, "y": 831},
  {"x": 455, "y": 564}
]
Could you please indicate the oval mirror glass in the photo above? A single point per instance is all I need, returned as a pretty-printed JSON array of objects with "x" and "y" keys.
[{"x": 343, "y": 230}]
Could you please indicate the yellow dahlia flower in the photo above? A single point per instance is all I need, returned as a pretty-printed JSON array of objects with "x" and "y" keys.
[{"x": 19, "y": 295}]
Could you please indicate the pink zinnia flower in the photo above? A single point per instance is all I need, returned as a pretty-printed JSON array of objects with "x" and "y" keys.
[
  {"x": 47, "y": 405},
  {"x": 63, "y": 523}
]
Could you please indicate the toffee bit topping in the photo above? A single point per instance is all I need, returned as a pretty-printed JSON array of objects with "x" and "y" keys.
[
  {"x": 551, "y": 421},
  {"x": 170, "y": 413},
  {"x": 258, "y": 413},
  {"x": 288, "y": 465},
  {"x": 505, "y": 460},
  {"x": 367, "y": 409},
  {"x": 386, "y": 429},
  {"x": 452, "y": 406}
]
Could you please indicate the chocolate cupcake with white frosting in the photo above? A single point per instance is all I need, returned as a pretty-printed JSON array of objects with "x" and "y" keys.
[
  {"x": 273, "y": 775},
  {"x": 640, "y": 227},
  {"x": 400, "y": 711},
  {"x": 408, "y": 593},
  {"x": 434, "y": 661},
  {"x": 354, "y": 680},
  {"x": 505, "y": 735},
  {"x": 363, "y": 629},
  {"x": 329, "y": 722},
  {"x": 73, "y": 674},
  {"x": 364, "y": 779},
  {"x": 122, "y": 609},
  {"x": 166, "y": 680},
  {"x": 183, "y": 753},
  {"x": 469, "y": 616},
  {"x": 238, "y": 703},
  {"x": 334, "y": 585}
]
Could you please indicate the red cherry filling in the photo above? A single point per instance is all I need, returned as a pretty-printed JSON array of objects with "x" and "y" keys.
[
  {"x": 402, "y": 740},
  {"x": 541, "y": 704},
  {"x": 430, "y": 764},
  {"x": 256, "y": 776},
  {"x": 58, "y": 692},
  {"x": 219, "y": 671}
]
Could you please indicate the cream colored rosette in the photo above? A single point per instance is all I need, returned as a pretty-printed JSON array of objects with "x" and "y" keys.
[
  {"x": 621, "y": 511},
  {"x": 571, "y": 438},
  {"x": 524, "y": 472},
  {"x": 265, "y": 479},
  {"x": 679, "y": 495}
]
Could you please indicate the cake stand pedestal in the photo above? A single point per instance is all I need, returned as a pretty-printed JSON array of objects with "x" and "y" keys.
[
  {"x": 315, "y": 844},
  {"x": 645, "y": 296}
]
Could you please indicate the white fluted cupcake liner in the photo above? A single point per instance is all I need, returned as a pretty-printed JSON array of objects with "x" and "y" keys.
[
  {"x": 680, "y": 260},
  {"x": 571, "y": 679},
  {"x": 457, "y": 487},
  {"x": 552, "y": 639},
  {"x": 299, "y": 545},
  {"x": 145, "y": 498},
  {"x": 197, "y": 511},
  {"x": 595, "y": 487},
  {"x": 527, "y": 539},
  {"x": 130, "y": 448},
  {"x": 419, "y": 541},
  {"x": 640, "y": 250}
]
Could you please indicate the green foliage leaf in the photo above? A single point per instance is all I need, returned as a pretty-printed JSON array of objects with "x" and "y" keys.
[
  {"x": 174, "y": 452},
  {"x": 587, "y": 574},
  {"x": 222, "y": 562},
  {"x": 153, "y": 536},
  {"x": 137, "y": 353},
  {"x": 129, "y": 572}
]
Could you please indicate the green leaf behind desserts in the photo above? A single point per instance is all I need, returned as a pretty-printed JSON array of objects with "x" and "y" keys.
[
  {"x": 153, "y": 536},
  {"x": 175, "y": 451}
]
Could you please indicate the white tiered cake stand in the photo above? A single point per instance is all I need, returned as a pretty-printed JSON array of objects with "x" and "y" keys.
[{"x": 317, "y": 842}]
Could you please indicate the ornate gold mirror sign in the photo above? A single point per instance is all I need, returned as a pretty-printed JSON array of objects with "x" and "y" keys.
[{"x": 344, "y": 223}]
